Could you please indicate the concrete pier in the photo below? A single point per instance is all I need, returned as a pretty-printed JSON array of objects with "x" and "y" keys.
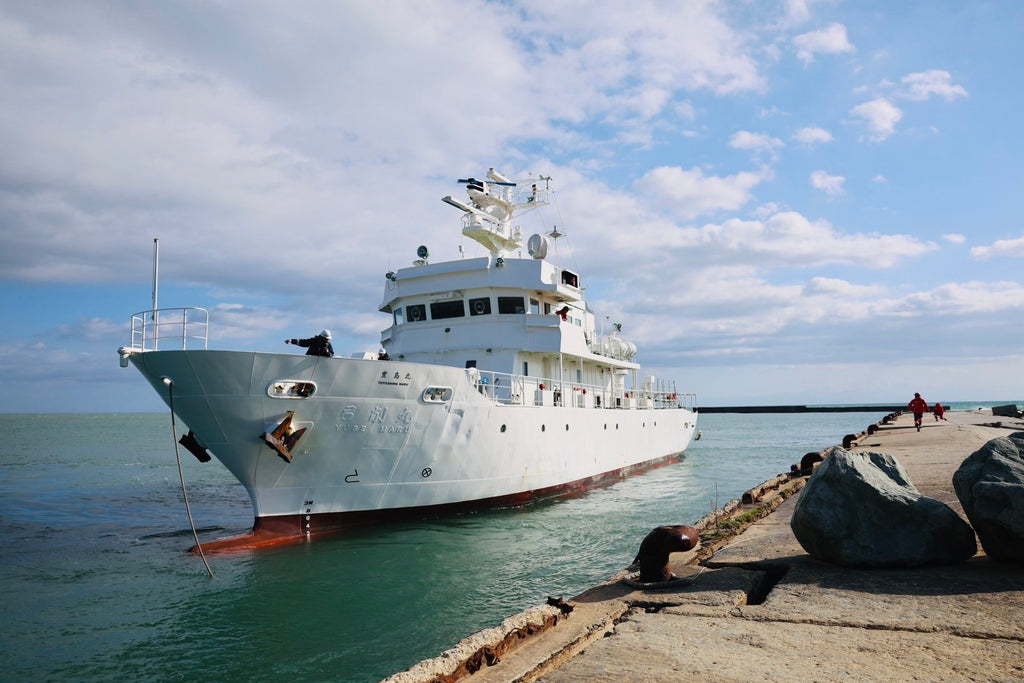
[{"x": 755, "y": 606}]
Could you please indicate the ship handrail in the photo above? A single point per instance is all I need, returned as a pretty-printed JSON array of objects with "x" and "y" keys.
[
  {"x": 170, "y": 328},
  {"x": 521, "y": 390}
]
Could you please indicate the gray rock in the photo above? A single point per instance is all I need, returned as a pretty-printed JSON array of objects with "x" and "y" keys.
[
  {"x": 861, "y": 510},
  {"x": 990, "y": 486}
]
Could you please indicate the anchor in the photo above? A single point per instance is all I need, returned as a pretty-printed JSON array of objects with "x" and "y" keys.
[
  {"x": 283, "y": 439},
  {"x": 193, "y": 446}
]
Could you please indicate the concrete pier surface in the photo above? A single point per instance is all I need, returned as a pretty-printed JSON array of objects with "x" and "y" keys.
[{"x": 760, "y": 608}]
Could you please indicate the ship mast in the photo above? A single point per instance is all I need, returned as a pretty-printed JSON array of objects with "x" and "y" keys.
[{"x": 492, "y": 204}]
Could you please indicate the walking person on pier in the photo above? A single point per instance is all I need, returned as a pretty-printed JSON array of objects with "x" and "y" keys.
[{"x": 919, "y": 408}]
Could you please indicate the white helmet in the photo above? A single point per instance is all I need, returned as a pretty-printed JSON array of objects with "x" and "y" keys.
[{"x": 325, "y": 333}]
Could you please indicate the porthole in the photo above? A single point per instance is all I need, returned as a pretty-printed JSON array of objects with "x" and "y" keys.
[
  {"x": 437, "y": 394},
  {"x": 502, "y": 429},
  {"x": 542, "y": 428},
  {"x": 291, "y": 389}
]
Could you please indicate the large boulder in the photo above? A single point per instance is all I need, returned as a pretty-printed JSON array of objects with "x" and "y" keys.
[
  {"x": 861, "y": 510},
  {"x": 990, "y": 486}
]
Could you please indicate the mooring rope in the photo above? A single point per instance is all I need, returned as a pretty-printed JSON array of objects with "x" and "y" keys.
[{"x": 181, "y": 473}]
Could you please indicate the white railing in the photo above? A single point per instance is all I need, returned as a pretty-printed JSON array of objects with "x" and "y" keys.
[
  {"x": 169, "y": 329},
  {"x": 539, "y": 391}
]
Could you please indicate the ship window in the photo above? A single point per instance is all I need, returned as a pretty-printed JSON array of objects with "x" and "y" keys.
[
  {"x": 480, "y": 306},
  {"x": 437, "y": 394},
  {"x": 416, "y": 313},
  {"x": 288, "y": 388},
  {"x": 534, "y": 307},
  {"x": 447, "y": 309},
  {"x": 570, "y": 278},
  {"x": 511, "y": 304},
  {"x": 399, "y": 316}
]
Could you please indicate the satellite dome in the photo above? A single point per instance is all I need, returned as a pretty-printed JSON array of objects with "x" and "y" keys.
[{"x": 537, "y": 246}]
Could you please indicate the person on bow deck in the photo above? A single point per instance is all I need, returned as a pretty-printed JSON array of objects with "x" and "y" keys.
[{"x": 319, "y": 345}]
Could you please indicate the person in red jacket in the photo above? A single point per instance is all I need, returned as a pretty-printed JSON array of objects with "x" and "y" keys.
[
  {"x": 938, "y": 411},
  {"x": 919, "y": 408}
]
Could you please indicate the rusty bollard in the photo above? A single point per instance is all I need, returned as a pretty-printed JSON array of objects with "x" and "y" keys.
[{"x": 658, "y": 545}]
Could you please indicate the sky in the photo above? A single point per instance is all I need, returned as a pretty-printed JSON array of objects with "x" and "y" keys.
[{"x": 802, "y": 201}]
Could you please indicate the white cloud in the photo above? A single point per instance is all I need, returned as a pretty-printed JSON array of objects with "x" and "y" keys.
[
  {"x": 957, "y": 298},
  {"x": 812, "y": 135},
  {"x": 924, "y": 84},
  {"x": 831, "y": 184},
  {"x": 791, "y": 240},
  {"x": 881, "y": 179},
  {"x": 830, "y": 40},
  {"x": 954, "y": 238},
  {"x": 1014, "y": 247},
  {"x": 760, "y": 143},
  {"x": 797, "y": 11},
  {"x": 836, "y": 287},
  {"x": 689, "y": 193},
  {"x": 683, "y": 46},
  {"x": 880, "y": 116}
]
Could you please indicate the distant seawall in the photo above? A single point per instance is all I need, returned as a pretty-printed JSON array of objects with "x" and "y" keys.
[{"x": 801, "y": 409}]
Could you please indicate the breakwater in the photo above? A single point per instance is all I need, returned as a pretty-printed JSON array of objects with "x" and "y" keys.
[
  {"x": 738, "y": 608},
  {"x": 875, "y": 408}
]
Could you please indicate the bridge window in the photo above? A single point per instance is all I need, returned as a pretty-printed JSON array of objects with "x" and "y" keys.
[
  {"x": 447, "y": 309},
  {"x": 399, "y": 316},
  {"x": 511, "y": 304},
  {"x": 416, "y": 313},
  {"x": 570, "y": 278}
]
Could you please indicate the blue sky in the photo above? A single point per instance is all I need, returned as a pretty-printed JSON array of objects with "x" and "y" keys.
[{"x": 781, "y": 202}]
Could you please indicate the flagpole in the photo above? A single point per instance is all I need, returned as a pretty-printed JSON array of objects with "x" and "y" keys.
[{"x": 156, "y": 283}]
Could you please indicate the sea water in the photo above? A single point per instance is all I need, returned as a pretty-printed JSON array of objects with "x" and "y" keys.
[{"x": 97, "y": 583}]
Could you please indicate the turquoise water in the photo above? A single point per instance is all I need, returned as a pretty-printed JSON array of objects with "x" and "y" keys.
[{"x": 97, "y": 584}]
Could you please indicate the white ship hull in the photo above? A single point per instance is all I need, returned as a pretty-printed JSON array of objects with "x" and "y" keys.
[
  {"x": 496, "y": 384},
  {"x": 374, "y": 448}
]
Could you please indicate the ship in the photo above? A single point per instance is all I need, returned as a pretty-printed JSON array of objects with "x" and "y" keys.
[{"x": 496, "y": 385}]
